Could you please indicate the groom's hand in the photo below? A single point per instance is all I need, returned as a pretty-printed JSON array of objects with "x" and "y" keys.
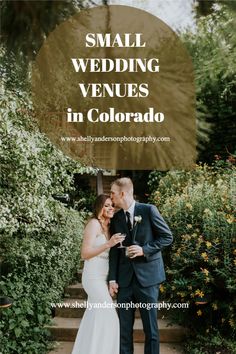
[
  {"x": 135, "y": 251},
  {"x": 113, "y": 288}
]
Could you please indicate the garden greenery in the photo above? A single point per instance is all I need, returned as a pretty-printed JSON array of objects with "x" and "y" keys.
[
  {"x": 201, "y": 265},
  {"x": 39, "y": 237},
  {"x": 213, "y": 51}
]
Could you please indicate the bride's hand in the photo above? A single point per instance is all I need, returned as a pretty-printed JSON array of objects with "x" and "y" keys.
[{"x": 116, "y": 238}]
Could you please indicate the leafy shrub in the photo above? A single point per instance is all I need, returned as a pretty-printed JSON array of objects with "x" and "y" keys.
[
  {"x": 154, "y": 179},
  {"x": 199, "y": 207},
  {"x": 85, "y": 199},
  {"x": 39, "y": 268},
  {"x": 39, "y": 237},
  {"x": 212, "y": 49},
  {"x": 213, "y": 343}
]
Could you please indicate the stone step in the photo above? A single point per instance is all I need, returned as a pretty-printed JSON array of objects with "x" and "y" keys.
[
  {"x": 65, "y": 329},
  {"x": 73, "y": 308},
  {"x": 165, "y": 348},
  {"x": 75, "y": 291}
]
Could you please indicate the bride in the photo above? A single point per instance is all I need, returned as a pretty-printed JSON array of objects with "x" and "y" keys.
[{"x": 99, "y": 327}]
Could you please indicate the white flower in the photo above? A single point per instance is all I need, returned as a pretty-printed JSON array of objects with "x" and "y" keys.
[{"x": 137, "y": 219}]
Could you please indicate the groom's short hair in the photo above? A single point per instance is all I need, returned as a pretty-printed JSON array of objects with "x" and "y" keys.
[{"x": 125, "y": 184}]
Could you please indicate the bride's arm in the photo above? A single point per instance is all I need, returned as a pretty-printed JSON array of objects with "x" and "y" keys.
[{"x": 92, "y": 229}]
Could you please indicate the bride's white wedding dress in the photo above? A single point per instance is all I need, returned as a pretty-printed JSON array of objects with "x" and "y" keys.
[{"x": 99, "y": 327}]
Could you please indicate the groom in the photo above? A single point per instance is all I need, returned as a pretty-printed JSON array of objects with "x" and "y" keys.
[{"x": 136, "y": 271}]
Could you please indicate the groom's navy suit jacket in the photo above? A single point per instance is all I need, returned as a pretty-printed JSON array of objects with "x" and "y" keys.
[{"x": 152, "y": 234}]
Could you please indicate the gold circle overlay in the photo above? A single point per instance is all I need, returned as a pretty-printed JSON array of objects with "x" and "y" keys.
[{"x": 136, "y": 93}]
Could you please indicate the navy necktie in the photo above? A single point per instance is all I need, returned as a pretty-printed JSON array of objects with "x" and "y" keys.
[{"x": 128, "y": 221}]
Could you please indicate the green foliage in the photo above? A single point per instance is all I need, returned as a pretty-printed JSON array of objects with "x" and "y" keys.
[
  {"x": 199, "y": 207},
  {"x": 204, "y": 8},
  {"x": 85, "y": 199},
  {"x": 154, "y": 179},
  {"x": 38, "y": 270},
  {"x": 39, "y": 237},
  {"x": 212, "y": 343},
  {"x": 25, "y": 23},
  {"x": 213, "y": 51}
]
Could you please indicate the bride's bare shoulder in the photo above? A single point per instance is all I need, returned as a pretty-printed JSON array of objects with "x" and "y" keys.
[{"x": 93, "y": 224}]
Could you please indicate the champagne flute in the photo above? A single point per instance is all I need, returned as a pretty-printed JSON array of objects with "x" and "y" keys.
[{"x": 121, "y": 245}]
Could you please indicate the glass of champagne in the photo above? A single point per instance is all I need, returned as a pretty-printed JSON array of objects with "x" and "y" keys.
[{"x": 121, "y": 244}]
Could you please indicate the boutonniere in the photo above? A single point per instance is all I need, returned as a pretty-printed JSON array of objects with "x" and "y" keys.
[{"x": 137, "y": 220}]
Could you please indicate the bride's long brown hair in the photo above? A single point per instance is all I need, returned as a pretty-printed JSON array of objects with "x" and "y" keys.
[{"x": 98, "y": 206}]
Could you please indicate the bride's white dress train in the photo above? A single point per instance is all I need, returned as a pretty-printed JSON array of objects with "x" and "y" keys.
[{"x": 99, "y": 327}]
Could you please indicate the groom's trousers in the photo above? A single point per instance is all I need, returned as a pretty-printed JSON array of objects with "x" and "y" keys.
[{"x": 135, "y": 293}]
